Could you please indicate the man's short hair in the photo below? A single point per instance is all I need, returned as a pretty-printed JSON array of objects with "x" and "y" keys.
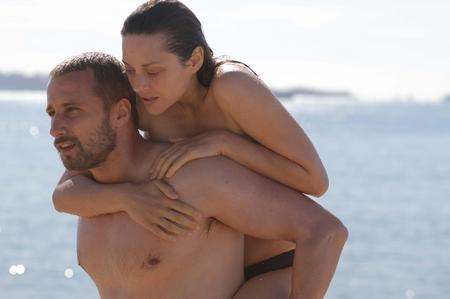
[{"x": 111, "y": 83}]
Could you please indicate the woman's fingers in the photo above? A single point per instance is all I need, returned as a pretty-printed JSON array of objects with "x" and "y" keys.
[
  {"x": 165, "y": 188},
  {"x": 168, "y": 162},
  {"x": 168, "y": 152},
  {"x": 179, "y": 161},
  {"x": 161, "y": 159}
]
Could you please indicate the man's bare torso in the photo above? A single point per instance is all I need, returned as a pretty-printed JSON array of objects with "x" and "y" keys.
[{"x": 127, "y": 261}]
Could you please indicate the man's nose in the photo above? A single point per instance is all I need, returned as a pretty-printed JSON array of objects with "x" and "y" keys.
[{"x": 57, "y": 128}]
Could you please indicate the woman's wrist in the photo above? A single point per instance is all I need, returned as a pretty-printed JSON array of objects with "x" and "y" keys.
[{"x": 228, "y": 142}]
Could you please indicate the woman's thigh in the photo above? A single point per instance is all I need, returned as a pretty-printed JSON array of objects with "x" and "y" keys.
[{"x": 271, "y": 285}]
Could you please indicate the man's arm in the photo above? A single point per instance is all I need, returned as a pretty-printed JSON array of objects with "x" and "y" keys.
[
  {"x": 260, "y": 207},
  {"x": 77, "y": 194}
]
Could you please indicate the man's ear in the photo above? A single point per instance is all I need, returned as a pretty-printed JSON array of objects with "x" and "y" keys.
[
  {"x": 120, "y": 113},
  {"x": 196, "y": 60}
]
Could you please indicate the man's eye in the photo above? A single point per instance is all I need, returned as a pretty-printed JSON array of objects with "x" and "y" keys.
[
  {"x": 129, "y": 72},
  {"x": 72, "y": 109},
  {"x": 152, "y": 74}
]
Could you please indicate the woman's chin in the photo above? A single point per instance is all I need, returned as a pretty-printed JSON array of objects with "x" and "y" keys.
[
  {"x": 152, "y": 107},
  {"x": 155, "y": 109}
]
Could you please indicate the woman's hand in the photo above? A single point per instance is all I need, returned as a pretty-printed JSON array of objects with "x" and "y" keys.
[
  {"x": 208, "y": 144},
  {"x": 164, "y": 216}
]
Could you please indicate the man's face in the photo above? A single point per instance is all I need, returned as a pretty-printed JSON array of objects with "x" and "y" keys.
[{"x": 79, "y": 122}]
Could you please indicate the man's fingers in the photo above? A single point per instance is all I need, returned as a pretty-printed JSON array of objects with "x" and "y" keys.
[
  {"x": 167, "y": 189},
  {"x": 186, "y": 209},
  {"x": 181, "y": 219},
  {"x": 173, "y": 140},
  {"x": 161, "y": 233},
  {"x": 171, "y": 227},
  {"x": 157, "y": 231}
]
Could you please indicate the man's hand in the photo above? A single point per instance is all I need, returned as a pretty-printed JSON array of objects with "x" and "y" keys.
[{"x": 166, "y": 217}]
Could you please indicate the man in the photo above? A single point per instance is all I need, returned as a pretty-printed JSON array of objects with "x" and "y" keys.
[{"x": 95, "y": 131}]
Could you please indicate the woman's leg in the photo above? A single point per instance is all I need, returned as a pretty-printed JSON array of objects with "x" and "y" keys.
[{"x": 270, "y": 285}]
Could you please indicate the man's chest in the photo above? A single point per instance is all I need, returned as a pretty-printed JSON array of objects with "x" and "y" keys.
[{"x": 114, "y": 248}]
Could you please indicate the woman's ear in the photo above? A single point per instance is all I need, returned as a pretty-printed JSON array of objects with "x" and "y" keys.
[
  {"x": 121, "y": 113},
  {"x": 197, "y": 58}
]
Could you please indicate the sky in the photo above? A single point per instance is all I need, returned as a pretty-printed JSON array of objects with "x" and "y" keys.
[{"x": 375, "y": 49}]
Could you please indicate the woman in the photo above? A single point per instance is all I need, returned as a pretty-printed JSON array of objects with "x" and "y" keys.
[{"x": 206, "y": 107}]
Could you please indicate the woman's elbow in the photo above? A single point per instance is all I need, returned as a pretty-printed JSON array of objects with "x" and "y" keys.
[
  {"x": 321, "y": 186},
  {"x": 318, "y": 185}
]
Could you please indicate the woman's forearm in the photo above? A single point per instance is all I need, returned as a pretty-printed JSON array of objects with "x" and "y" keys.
[
  {"x": 84, "y": 197},
  {"x": 275, "y": 166}
]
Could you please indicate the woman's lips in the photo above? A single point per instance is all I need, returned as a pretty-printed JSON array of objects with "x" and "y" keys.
[{"x": 150, "y": 99}]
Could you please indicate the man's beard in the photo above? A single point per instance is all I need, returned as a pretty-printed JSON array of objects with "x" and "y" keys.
[{"x": 95, "y": 151}]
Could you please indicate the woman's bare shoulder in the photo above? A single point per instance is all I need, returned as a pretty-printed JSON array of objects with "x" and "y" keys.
[
  {"x": 233, "y": 81},
  {"x": 232, "y": 73}
]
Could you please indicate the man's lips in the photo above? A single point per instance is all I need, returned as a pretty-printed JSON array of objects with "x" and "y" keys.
[{"x": 64, "y": 146}]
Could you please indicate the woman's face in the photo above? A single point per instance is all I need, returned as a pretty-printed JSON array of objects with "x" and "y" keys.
[{"x": 157, "y": 76}]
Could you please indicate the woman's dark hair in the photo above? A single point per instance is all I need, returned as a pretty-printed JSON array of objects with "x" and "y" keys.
[{"x": 182, "y": 29}]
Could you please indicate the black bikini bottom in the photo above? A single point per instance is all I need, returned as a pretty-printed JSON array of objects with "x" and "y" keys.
[{"x": 277, "y": 262}]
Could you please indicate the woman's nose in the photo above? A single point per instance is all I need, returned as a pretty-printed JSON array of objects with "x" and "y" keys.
[{"x": 142, "y": 84}]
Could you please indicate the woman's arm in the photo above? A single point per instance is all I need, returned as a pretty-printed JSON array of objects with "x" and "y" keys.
[
  {"x": 282, "y": 150},
  {"x": 285, "y": 152}
]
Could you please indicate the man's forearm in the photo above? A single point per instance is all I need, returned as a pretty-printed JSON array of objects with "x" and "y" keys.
[{"x": 82, "y": 196}]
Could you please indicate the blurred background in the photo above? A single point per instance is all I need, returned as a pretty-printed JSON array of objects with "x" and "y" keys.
[{"x": 369, "y": 81}]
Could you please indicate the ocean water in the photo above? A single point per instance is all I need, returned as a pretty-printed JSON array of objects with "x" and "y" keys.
[{"x": 389, "y": 167}]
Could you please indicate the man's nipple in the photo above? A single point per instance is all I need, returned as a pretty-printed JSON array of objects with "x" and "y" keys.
[{"x": 151, "y": 262}]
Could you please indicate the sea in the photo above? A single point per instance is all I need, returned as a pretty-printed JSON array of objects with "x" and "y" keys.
[{"x": 389, "y": 170}]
